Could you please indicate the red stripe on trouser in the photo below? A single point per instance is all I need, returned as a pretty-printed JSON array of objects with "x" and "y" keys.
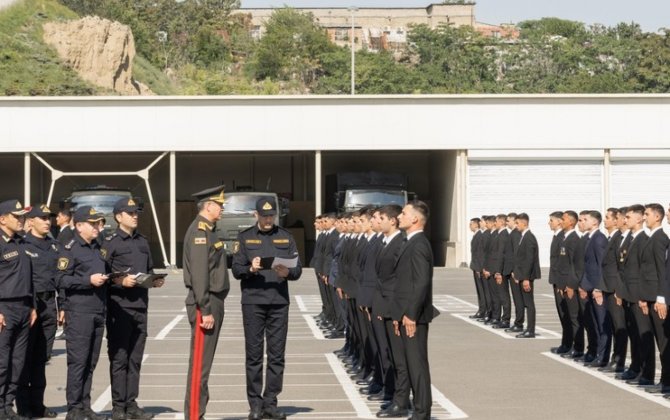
[{"x": 196, "y": 369}]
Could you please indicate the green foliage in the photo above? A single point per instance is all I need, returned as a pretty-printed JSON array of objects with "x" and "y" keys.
[
  {"x": 28, "y": 66},
  {"x": 290, "y": 48}
]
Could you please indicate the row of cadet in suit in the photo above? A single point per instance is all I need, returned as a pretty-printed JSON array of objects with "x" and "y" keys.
[
  {"x": 610, "y": 283},
  {"x": 505, "y": 260},
  {"x": 374, "y": 268}
]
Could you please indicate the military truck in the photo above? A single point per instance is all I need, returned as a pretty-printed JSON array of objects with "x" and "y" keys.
[
  {"x": 238, "y": 215},
  {"x": 102, "y": 198},
  {"x": 351, "y": 191}
]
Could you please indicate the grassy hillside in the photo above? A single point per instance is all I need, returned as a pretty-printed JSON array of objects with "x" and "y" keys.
[{"x": 29, "y": 67}]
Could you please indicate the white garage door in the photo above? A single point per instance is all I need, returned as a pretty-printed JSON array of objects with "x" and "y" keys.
[
  {"x": 639, "y": 182},
  {"x": 534, "y": 187}
]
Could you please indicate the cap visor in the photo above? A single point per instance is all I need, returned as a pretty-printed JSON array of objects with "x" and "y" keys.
[{"x": 20, "y": 212}]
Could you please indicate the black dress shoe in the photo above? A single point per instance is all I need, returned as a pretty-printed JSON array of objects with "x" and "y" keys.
[
  {"x": 74, "y": 414},
  {"x": 273, "y": 413},
  {"x": 393, "y": 411},
  {"x": 372, "y": 389},
  {"x": 118, "y": 413},
  {"x": 588, "y": 358},
  {"x": 628, "y": 375},
  {"x": 381, "y": 396},
  {"x": 92, "y": 415},
  {"x": 560, "y": 350},
  {"x": 596, "y": 363},
  {"x": 502, "y": 325},
  {"x": 515, "y": 328},
  {"x": 572, "y": 354},
  {"x": 612, "y": 369},
  {"x": 493, "y": 322},
  {"x": 526, "y": 334},
  {"x": 484, "y": 320},
  {"x": 134, "y": 412},
  {"x": 658, "y": 389},
  {"x": 10, "y": 414},
  {"x": 641, "y": 382},
  {"x": 255, "y": 414},
  {"x": 335, "y": 335},
  {"x": 476, "y": 316},
  {"x": 365, "y": 382}
]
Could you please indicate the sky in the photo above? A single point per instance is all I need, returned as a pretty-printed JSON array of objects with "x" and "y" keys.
[{"x": 650, "y": 14}]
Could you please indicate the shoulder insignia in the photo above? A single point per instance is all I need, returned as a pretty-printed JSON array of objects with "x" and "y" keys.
[
  {"x": 69, "y": 244},
  {"x": 54, "y": 247},
  {"x": 110, "y": 237},
  {"x": 204, "y": 226},
  {"x": 280, "y": 241},
  {"x": 236, "y": 247},
  {"x": 200, "y": 241},
  {"x": 253, "y": 241},
  {"x": 218, "y": 245},
  {"x": 32, "y": 254},
  {"x": 63, "y": 263},
  {"x": 103, "y": 252}
]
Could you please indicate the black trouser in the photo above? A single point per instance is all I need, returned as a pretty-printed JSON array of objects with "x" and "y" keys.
[
  {"x": 587, "y": 318},
  {"x": 562, "y": 309},
  {"x": 202, "y": 350},
  {"x": 402, "y": 384},
  {"x": 30, "y": 397},
  {"x": 126, "y": 337},
  {"x": 600, "y": 323},
  {"x": 267, "y": 323},
  {"x": 529, "y": 304},
  {"x": 662, "y": 333},
  {"x": 416, "y": 353},
  {"x": 634, "y": 335},
  {"x": 373, "y": 348},
  {"x": 339, "y": 306},
  {"x": 368, "y": 349},
  {"x": 646, "y": 334},
  {"x": 504, "y": 299},
  {"x": 83, "y": 338},
  {"x": 13, "y": 345},
  {"x": 496, "y": 302},
  {"x": 488, "y": 294},
  {"x": 519, "y": 302},
  {"x": 481, "y": 295},
  {"x": 575, "y": 319},
  {"x": 325, "y": 310},
  {"x": 355, "y": 331},
  {"x": 384, "y": 352},
  {"x": 617, "y": 317}
]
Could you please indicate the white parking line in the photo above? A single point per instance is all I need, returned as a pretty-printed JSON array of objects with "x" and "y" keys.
[
  {"x": 301, "y": 303},
  {"x": 658, "y": 399},
  {"x": 362, "y": 410},
  {"x": 444, "y": 402},
  {"x": 544, "y": 335},
  {"x": 166, "y": 330},
  {"x": 106, "y": 396},
  {"x": 318, "y": 334}
]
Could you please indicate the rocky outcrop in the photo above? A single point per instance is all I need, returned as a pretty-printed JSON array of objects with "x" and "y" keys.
[{"x": 99, "y": 50}]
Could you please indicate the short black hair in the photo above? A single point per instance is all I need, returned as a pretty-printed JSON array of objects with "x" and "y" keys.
[
  {"x": 421, "y": 207},
  {"x": 614, "y": 211},
  {"x": 391, "y": 211},
  {"x": 656, "y": 208},
  {"x": 636, "y": 208},
  {"x": 512, "y": 215},
  {"x": 501, "y": 216},
  {"x": 596, "y": 215},
  {"x": 476, "y": 219},
  {"x": 523, "y": 216},
  {"x": 571, "y": 214},
  {"x": 623, "y": 210},
  {"x": 556, "y": 214}
]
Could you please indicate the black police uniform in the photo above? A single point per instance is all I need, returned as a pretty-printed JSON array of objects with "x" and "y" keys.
[
  {"x": 85, "y": 307},
  {"x": 126, "y": 317},
  {"x": 265, "y": 305},
  {"x": 16, "y": 304},
  {"x": 43, "y": 253},
  {"x": 206, "y": 278}
]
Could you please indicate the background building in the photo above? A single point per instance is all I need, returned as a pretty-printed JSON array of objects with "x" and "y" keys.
[{"x": 465, "y": 155}]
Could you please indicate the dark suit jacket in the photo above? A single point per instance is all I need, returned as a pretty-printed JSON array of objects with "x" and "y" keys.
[
  {"x": 328, "y": 250},
  {"x": 334, "y": 272},
  {"x": 367, "y": 261},
  {"x": 553, "y": 256},
  {"x": 317, "y": 258},
  {"x": 527, "y": 258},
  {"x": 413, "y": 296},
  {"x": 594, "y": 254},
  {"x": 386, "y": 277},
  {"x": 570, "y": 262},
  {"x": 496, "y": 257},
  {"x": 477, "y": 251},
  {"x": 611, "y": 280},
  {"x": 510, "y": 250},
  {"x": 487, "y": 241},
  {"x": 632, "y": 268},
  {"x": 652, "y": 283}
]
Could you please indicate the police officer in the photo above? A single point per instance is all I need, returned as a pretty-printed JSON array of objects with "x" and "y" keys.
[
  {"x": 81, "y": 274},
  {"x": 265, "y": 304},
  {"x": 126, "y": 250},
  {"x": 43, "y": 253},
  {"x": 16, "y": 305},
  {"x": 206, "y": 278}
]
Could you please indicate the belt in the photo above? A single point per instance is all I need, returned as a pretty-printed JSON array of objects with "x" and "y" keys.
[
  {"x": 24, "y": 299},
  {"x": 45, "y": 295}
]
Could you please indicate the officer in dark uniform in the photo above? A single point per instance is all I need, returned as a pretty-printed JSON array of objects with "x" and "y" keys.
[
  {"x": 206, "y": 278},
  {"x": 43, "y": 253},
  {"x": 126, "y": 250},
  {"x": 81, "y": 274},
  {"x": 16, "y": 305},
  {"x": 265, "y": 304}
]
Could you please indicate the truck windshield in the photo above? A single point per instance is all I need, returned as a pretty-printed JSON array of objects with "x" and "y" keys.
[
  {"x": 377, "y": 198},
  {"x": 241, "y": 204},
  {"x": 103, "y": 203}
]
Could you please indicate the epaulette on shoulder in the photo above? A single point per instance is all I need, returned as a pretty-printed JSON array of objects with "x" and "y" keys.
[
  {"x": 246, "y": 230},
  {"x": 204, "y": 226},
  {"x": 69, "y": 244},
  {"x": 110, "y": 237}
]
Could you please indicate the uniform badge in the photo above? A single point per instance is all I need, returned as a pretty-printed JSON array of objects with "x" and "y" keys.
[
  {"x": 218, "y": 245},
  {"x": 32, "y": 254},
  {"x": 200, "y": 241},
  {"x": 103, "y": 252},
  {"x": 253, "y": 242},
  {"x": 131, "y": 202},
  {"x": 280, "y": 241},
  {"x": 563, "y": 251},
  {"x": 267, "y": 206},
  {"x": 204, "y": 226},
  {"x": 63, "y": 263},
  {"x": 236, "y": 247},
  {"x": 10, "y": 255}
]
